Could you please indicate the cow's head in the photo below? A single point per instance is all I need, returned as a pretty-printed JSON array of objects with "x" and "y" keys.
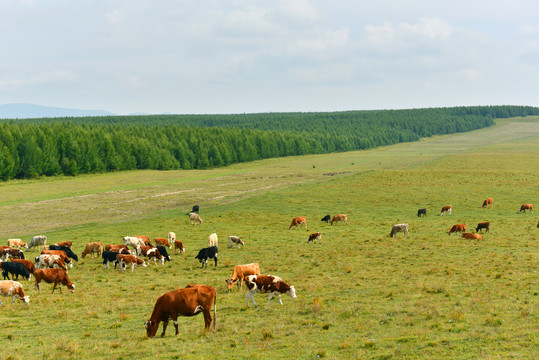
[
  {"x": 292, "y": 292},
  {"x": 26, "y": 300},
  {"x": 71, "y": 287},
  {"x": 230, "y": 283},
  {"x": 151, "y": 328}
]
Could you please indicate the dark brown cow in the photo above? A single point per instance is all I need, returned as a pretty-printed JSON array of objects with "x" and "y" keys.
[
  {"x": 273, "y": 285},
  {"x": 525, "y": 207},
  {"x": 57, "y": 276},
  {"x": 188, "y": 301},
  {"x": 178, "y": 246},
  {"x": 457, "y": 228},
  {"x": 472, "y": 236},
  {"x": 302, "y": 220},
  {"x": 65, "y": 243},
  {"x": 483, "y": 225},
  {"x": 488, "y": 202},
  {"x": 446, "y": 209},
  {"x": 315, "y": 237},
  {"x": 339, "y": 217}
]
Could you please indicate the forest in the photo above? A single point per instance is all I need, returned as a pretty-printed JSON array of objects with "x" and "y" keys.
[{"x": 31, "y": 148}]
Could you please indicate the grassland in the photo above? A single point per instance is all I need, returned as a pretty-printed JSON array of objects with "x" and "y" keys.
[{"x": 360, "y": 293}]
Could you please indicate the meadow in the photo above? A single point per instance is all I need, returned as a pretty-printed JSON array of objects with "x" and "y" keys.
[{"x": 361, "y": 294}]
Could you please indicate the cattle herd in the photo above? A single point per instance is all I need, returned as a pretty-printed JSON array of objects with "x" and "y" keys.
[{"x": 52, "y": 264}]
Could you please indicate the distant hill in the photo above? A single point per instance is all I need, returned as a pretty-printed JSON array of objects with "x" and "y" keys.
[{"x": 29, "y": 111}]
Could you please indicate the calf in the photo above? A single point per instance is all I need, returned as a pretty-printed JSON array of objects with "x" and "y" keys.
[
  {"x": 399, "y": 228},
  {"x": 178, "y": 246},
  {"x": 315, "y": 237},
  {"x": 65, "y": 249},
  {"x": 163, "y": 251},
  {"x": 488, "y": 202},
  {"x": 339, "y": 217},
  {"x": 58, "y": 277},
  {"x": 446, "y": 210},
  {"x": 471, "y": 236},
  {"x": 240, "y": 272},
  {"x": 195, "y": 218},
  {"x": 235, "y": 240},
  {"x": 18, "y": 243},
  {"x": 457, "y": 228},
  {"x": 184, "y": 302},
  {"x": 109, "y": 257},
  {"x": 213, "y": 240},
  {"x": 207, "y": 253},
  {"x": 38, "y": 240},
  {"x": 525, "y": 207},
  {"x": 13, "y": 289},
  {"x": 162, "y": 242},
  {"x": 93, "y": 248},
  {"x": 301, "y": 220},
  {"x": 15, "y": 269},
  {"x": 171, "y": 237},
  {"x": 267, "y": 284},
  {"x": 124, "y": 260},
  {"x": 421, "y": 212},
  {"x": 326, "y": 218},
  {"x": 483, "y": 225}
]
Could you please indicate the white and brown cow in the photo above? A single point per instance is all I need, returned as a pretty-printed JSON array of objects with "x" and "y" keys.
[
  {"x": 16, "y": 243},
  {"x": 315, "y": 237},
  {"x": 45, "y": 261},
  {"x": 240, "y": 272},
  {"x": 61, "y": 254},
  {"x": 134, "y": 242},
  {"x": 446, "y": 210},
  {"x": 273, "y": 285},
  {"x": 339, "y": 217},
  {"x": 399, "y": 228},
  {"x": 93, "y": 248},
  {"x": 195, "y": 218},
  {"x": 13, "y": 289},
  {"x": 124, "y": 260},
  {"x": 234, "y": 240}
]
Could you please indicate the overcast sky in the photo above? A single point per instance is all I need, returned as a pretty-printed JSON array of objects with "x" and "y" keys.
[{"x": 245, "y": 56}]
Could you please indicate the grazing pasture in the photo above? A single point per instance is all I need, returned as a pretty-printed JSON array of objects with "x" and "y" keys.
[{"x": 360, "y": 293}]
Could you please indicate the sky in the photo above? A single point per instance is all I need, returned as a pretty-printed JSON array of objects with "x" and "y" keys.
[{"x": 252, "y": 56}]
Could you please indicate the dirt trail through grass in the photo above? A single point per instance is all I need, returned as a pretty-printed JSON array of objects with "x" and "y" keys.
[{"x": 30, "y": 207}]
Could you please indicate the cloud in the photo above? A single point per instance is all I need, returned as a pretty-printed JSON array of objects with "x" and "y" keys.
[
  {"x": 426, "y": 28},
  {"x": 52, "y": 78}
]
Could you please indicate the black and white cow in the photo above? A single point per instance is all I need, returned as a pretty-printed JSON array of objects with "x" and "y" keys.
[
  {"x": 163, "y": 251},
  {"x": 210, "y": 252},
  {"x": 65, "y": 249},
  {"x": 273, "y": 285},
  {"x": 109, "y": 257},
  {"x": 15, "y": 269}
]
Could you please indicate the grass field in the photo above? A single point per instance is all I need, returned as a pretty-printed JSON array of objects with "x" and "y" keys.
[{"x": 360, "y": 293}]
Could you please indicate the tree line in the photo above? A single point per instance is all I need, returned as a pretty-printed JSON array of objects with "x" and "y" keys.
[{"x": 31, "y": 148}]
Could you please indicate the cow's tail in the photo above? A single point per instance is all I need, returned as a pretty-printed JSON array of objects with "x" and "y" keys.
[{"x": 215, "y": 311}]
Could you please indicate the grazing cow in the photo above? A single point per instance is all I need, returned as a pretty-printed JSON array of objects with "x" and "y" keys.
[
  {"x": 184, "y": 302},
  {"x": 483, "y": 225},
  {"x": 195, "y": 218},
  {"x": 58, "y": 277},
  {"x": 339, "y": 217},
  {"x": 399, "y": 228},
  {"x": 93, "y": 248},
  {"x": 196, "y": 208},
  {"x": 134, "y": 242},
  {"x": 122, "y": 249},
  {"x": 45, "y": 261},
  {"x": 178, "y": 245},
  {"x": 162, "y": 242},
  {"x": 488, "y": 202},
  {"x": 154, "y": 254},
  {"x": 457, "y": 228},
  {"x": 27, "y": 263},
  {"x": 15, "y": 269},
  {"x": 38, "y": 240},
  {"x": 240, "y": 272},
  {"x": 65, "y": 243},
  {"x": 5, "y": 251},
  {"x": 421, "y": 212},
  {"x": 163, "y": 251},
  {"x": 525, "y": 207},
  {"x": 302, "y": 220},
  {"x": 18, "y": 243},
  {"x": 65, "y": 249},
  {"x": 171, "y": 238},
  {"x": 16, "y": 253},
  {"x": 124, "y": 260},
  {"x": 13, "y": 289},
  {"x": 234, "y": 240},
  {"x": 61, "y": 254},
  {"x": 472, "y": 236},
  {"x": 315, "y": 237},
  {"x": 326, "y": 218},
  {"x": 146, "y": 239},
  {"x": 273, "y": 285},
  {"x": 210, "y": 252},
  {"x": 446, "y": 210},
  {"x": 109, "y": 257},
  {"x": 213, "y": 240}
]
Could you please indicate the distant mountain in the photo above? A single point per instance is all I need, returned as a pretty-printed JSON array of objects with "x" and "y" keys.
[{"x": 26, "y": 111}]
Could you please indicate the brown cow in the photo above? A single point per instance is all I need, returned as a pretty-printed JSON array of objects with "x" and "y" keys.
[
  {"x": 5, "y": 251},
  {"x": 29, "y": 265},
  {"x": 488, "y": 202},
  {"x": 446, "y": 209},
  {"x": 178, "y": 245},
  {"x": 184, "y": 302},
  {"x": 162, "y": 242},
  {"x": 457, "y": 228},
  {"x": 315, "y": 237},
  {"x": 146, "y": 240},
  {"x": 483, "y": 225},
  {"x": 124, "y": 260},
  {"x": 61, "y": 254},
  {"x": 525, "y": 207},
  {"x": 121, "y": 249},
  {"x": 302, "y": 220},
  {"x": 65, "y": 243},
  {"x": 472, "y": 236},
  {"x": 57, "y": 276},
  {"x": 18, "y": 243},
  {"x": 93, "y": 248},
  {"x": 13, "y": 289},
  {"x": 273, "y": 285},
  {"x": 240, "y": 272},
  {"x": 339, "y": 217}
]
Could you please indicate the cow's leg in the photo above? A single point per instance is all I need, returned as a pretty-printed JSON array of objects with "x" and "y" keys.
[
  {"x": 133, "y": 266},
  {"x": 269, "y": 297},
  {"x": 280, "y": 301},
  {"x": 215, "y": 258},
  {"x": 249, "y": 295},
  {"x": 175, "y": 321},
  {"x": 2, "y": 303},
  {"x": 165, "y": 323},
  {"x": 207, "y": 318},
  {"x": 54, "y": 288}
]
